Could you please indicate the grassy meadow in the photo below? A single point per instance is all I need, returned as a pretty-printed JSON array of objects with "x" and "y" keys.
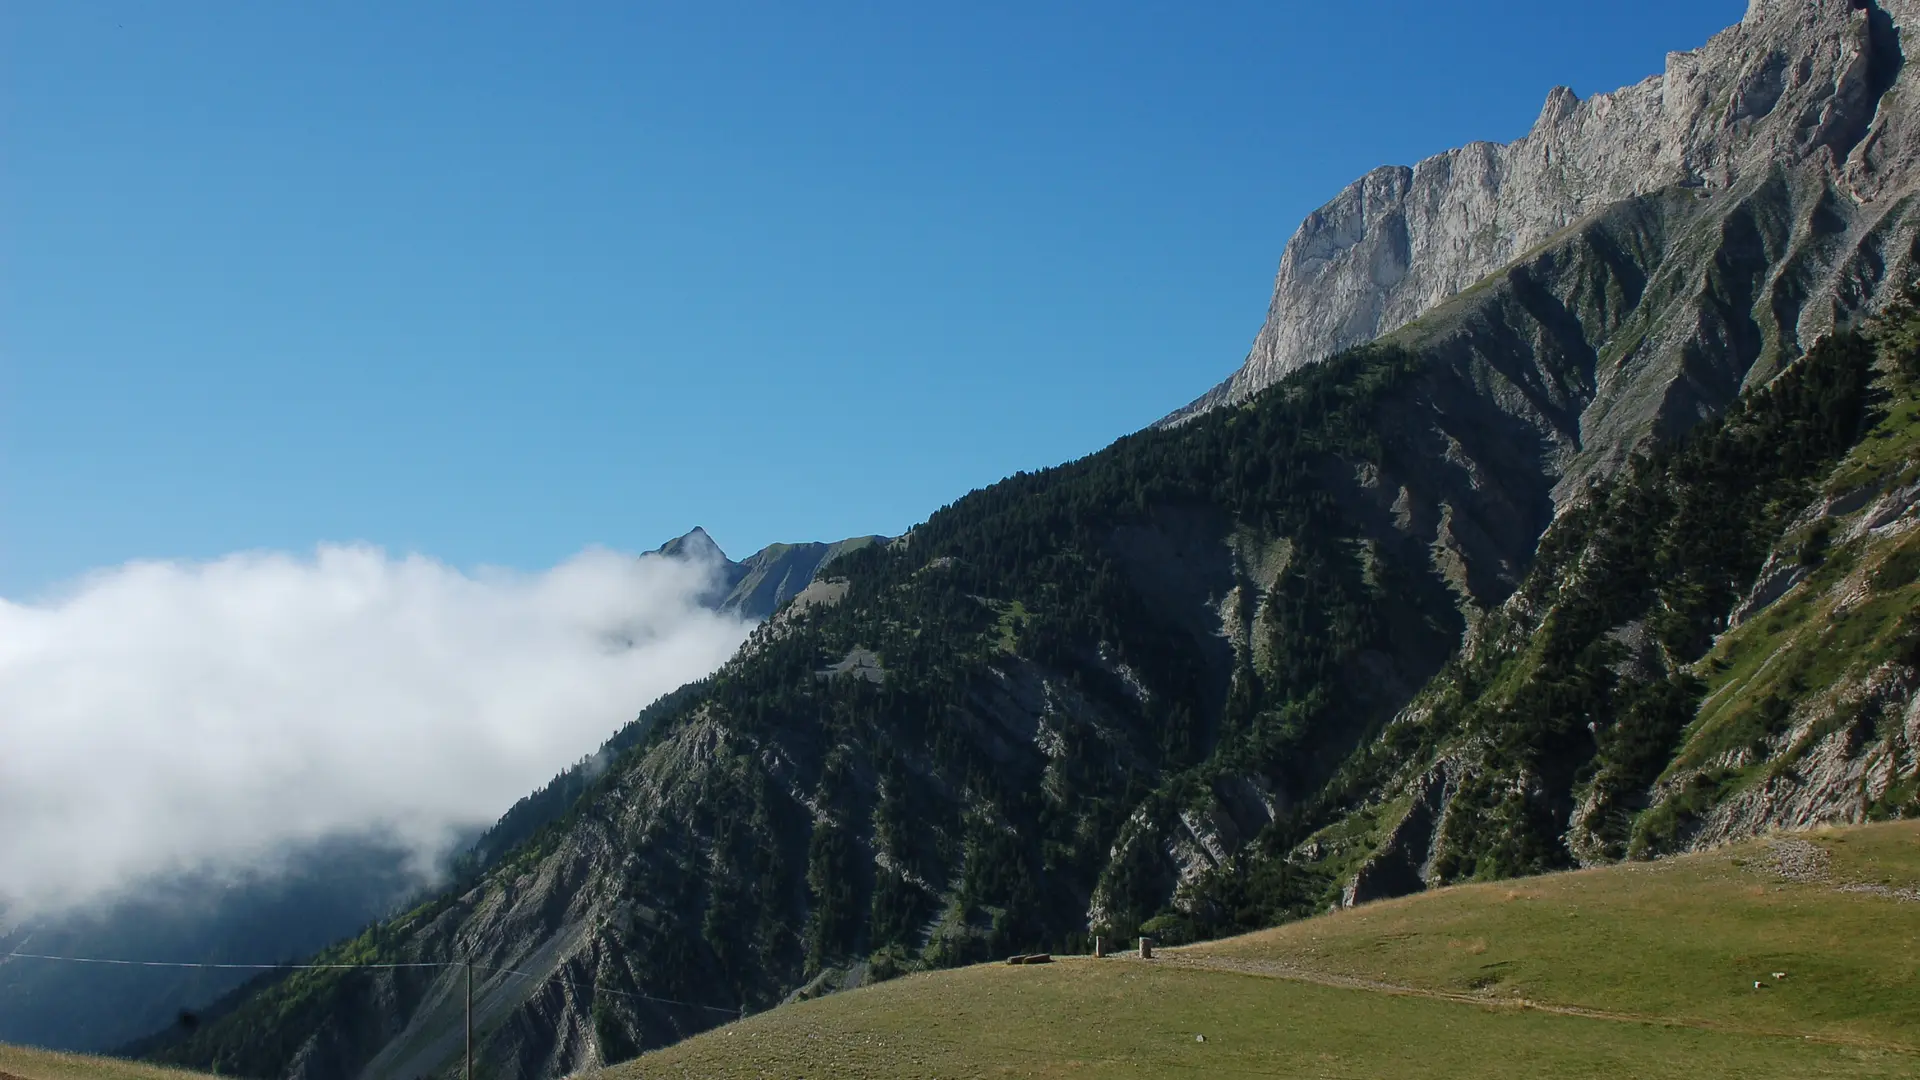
[{"x": 1640, "y": 970}]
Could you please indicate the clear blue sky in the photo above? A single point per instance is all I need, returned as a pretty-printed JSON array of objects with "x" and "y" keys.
[{"x": 492, "y": 282}]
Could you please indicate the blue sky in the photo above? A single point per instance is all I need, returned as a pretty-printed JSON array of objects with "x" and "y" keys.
[{"x": 495, "y": 282}]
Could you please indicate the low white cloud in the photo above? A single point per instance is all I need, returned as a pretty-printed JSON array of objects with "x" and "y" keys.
[{"x": 167, "y": 716}]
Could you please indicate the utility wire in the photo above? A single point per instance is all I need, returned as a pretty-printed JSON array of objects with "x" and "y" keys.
[
  {"x": 229, "y": 967},
  {"x": 561, "y": 975},
  {"x": 557, "y": 975}
]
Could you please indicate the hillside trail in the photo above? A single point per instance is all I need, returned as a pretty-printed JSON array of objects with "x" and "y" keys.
[{"x": 1274, "y": 969}]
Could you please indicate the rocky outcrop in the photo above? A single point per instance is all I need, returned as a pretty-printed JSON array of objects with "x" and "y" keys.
[
  {"x": 1818, "y": 84},
  {"x": 1404, "y": 861},
  {"x": 1836, "y": 764},
  {"x": 1849, "y": 747}
]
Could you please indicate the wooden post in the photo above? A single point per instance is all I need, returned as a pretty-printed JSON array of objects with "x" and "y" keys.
[
  {"x": 469, "y": 1018},
  {"x": 1099, "y": 947},
  {"x": 1146, "y": 948}
]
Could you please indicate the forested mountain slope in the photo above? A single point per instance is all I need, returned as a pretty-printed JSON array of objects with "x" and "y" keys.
[
  {"x": 1305, "y": 647},
  {"x": 1120, "y": 691},
  {"x": 1719, "y": 641}
]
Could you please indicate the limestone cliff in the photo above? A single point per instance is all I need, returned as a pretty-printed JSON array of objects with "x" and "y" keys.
[{"x": 1818, "y": 85}]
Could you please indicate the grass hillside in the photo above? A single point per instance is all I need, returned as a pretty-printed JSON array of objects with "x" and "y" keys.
[
  {"x": 1641, "y": 970},
  {"x": 23, "y": 1063}
]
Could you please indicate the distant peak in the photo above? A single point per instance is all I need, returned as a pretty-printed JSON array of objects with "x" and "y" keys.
[{"x": 696, "y": 544}]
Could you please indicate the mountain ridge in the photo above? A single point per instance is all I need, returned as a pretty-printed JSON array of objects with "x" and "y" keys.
[{"x": 1793, "y": 84}]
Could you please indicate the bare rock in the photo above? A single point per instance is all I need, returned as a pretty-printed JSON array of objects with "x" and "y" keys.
[{"x": 1816, "y": 83}]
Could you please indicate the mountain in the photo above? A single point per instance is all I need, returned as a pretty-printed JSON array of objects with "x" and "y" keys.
[
  {"x": 768, "y": 578},
  {"x": 924, "y": 774},
  {"x": 1605, "y": 553},
  {"x": 1797, "y": 90}
]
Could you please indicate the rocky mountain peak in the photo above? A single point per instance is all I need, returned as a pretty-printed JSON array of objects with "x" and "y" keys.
[
  {"x": 758, "y": 585},
  {"x": 1560, "y": 104},
  {"x": 1796, "y": 85},
  {"x": 695, "y": 545}
]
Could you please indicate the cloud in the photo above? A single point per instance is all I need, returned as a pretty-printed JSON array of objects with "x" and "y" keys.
[{"x": 170, "y": 716}]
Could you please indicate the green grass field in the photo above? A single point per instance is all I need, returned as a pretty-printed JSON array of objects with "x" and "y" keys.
[
  {"x": 21, "y": 1063},
  {"x": 1640, "y": 970}
]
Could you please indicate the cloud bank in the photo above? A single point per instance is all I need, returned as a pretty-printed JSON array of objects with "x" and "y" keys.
[{"x": 169, "y": 716}]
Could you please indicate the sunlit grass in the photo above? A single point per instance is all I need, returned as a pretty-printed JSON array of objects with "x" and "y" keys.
[{"x": 1642, "y": 970}]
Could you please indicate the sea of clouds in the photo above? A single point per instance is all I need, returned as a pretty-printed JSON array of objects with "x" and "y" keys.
[{"x": 166, "y": 717}]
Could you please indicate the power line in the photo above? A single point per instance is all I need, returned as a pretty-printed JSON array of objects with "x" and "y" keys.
[
  {"x": 560, "y": 975},
  {"x": 227, "y": 967}
]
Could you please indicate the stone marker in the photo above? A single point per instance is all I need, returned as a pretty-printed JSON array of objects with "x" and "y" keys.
[{"x": 1146, "y": 948}]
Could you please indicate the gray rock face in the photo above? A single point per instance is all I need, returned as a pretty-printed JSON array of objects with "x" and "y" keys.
[
  {"x": 1838, "y": 775},
  {"x": 1817, "y": 83},
  {"x": 1404, "y": 861}
]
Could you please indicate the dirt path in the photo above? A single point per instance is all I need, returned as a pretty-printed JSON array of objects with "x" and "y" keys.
[{"x": 1274, "y": 969}]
